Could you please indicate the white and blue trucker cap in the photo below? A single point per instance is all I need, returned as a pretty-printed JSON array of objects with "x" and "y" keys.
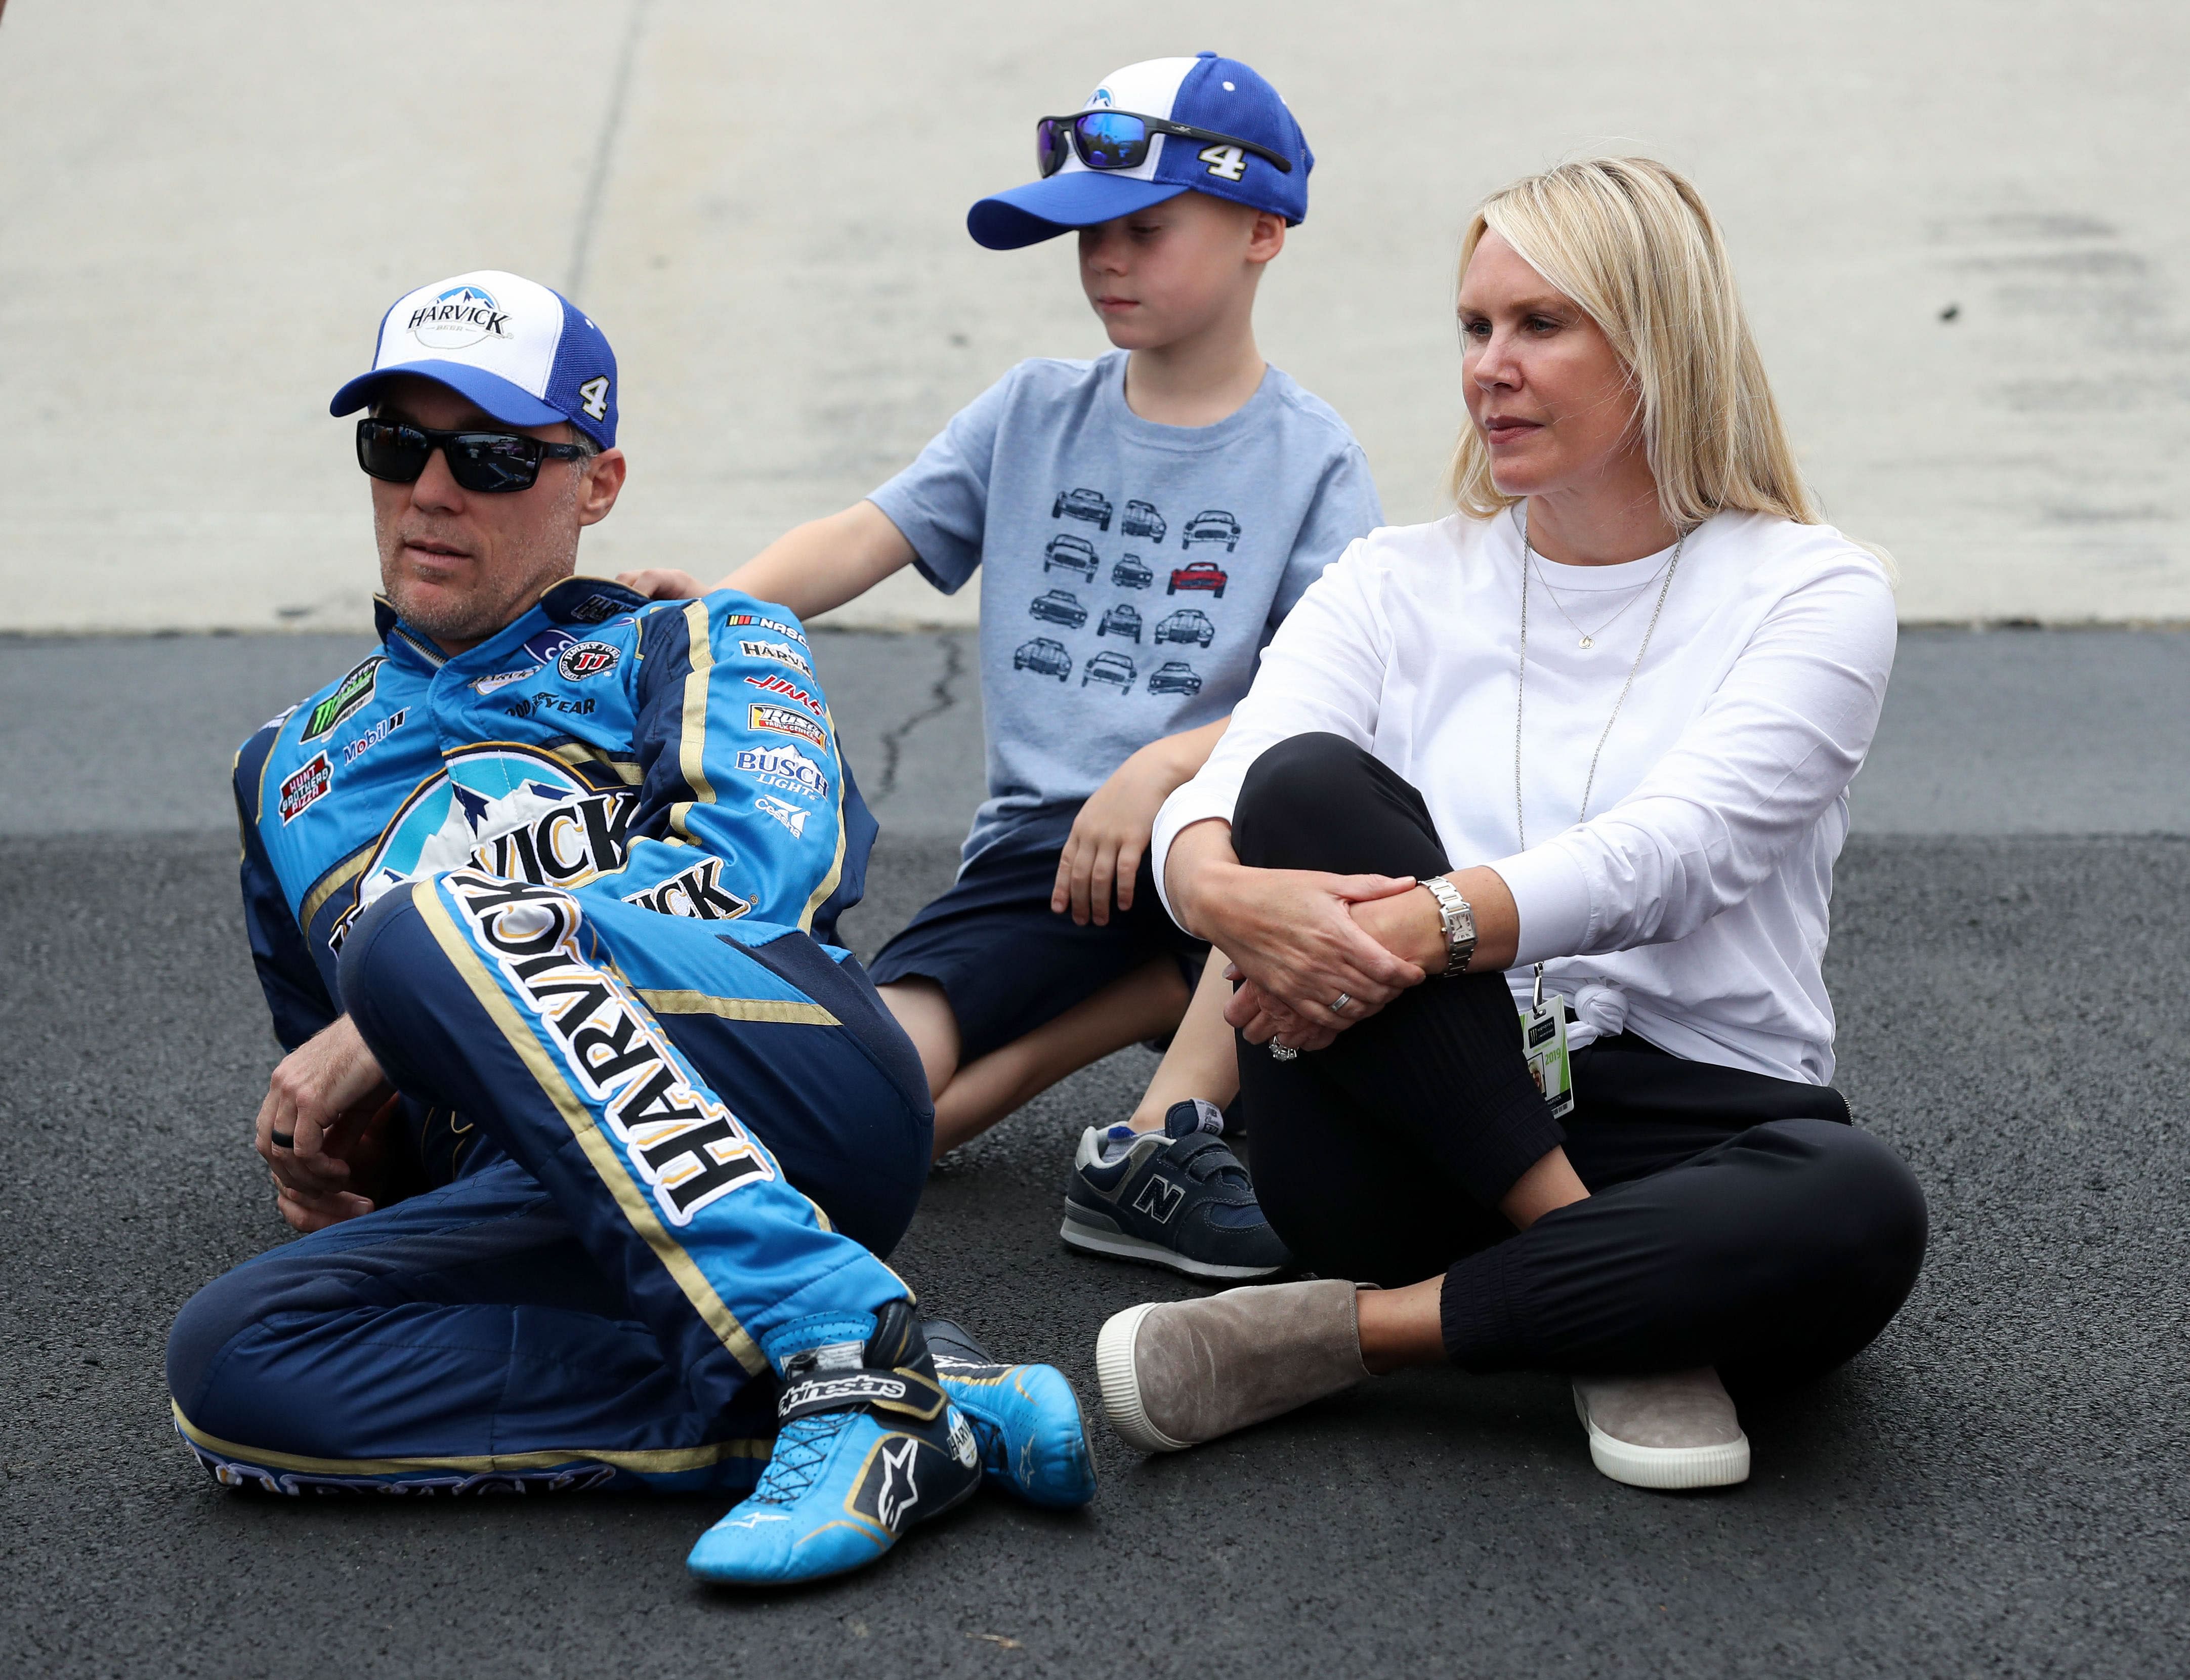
[
  {"x": 524, "y": 353},
  {"x": 1222, "y": 95}
]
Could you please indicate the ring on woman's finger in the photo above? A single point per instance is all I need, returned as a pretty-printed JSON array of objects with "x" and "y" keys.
[
  {"x": 1338, "y": 1004},
  {"x": 283, "y": 1140},
  {"x": 1282, "y": 1052}
]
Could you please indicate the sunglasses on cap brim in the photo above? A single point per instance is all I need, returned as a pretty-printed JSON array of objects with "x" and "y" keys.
[
  {"x": 1119, "y": 140},
  {"x": 491, "y": 464}
]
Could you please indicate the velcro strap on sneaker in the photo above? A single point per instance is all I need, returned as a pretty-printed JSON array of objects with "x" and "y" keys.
[
  {"x": 1185, "y": 1151},
  {"x": 899, "y": 1390}
]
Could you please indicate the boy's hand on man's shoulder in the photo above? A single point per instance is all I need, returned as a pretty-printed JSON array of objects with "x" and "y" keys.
[{"x": 663, "y": 583}]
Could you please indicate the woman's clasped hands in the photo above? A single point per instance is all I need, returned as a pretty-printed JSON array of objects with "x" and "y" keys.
[{"x": 1311, "y": 951}]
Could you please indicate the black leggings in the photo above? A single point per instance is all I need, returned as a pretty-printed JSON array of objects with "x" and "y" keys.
[{"x": 1733, "y": 1219}]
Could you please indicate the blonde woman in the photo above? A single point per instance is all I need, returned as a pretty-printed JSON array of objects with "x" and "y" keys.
[{"x": 1593, "y": 732}]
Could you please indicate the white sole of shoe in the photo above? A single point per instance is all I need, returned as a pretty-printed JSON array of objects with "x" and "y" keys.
[
  {"x": 1666, "y": 1468},
  {"x": 1119, "y": 1246},
  {"x": 1120, "y": 1383}
]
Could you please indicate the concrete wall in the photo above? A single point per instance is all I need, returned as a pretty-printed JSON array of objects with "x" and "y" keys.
[{"x": 204, "y": 209}]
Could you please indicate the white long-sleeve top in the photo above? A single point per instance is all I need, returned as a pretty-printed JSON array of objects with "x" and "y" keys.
[{"x": 1691, "y": 906}]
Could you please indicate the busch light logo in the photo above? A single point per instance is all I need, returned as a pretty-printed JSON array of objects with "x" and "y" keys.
[
  {"x": 785, "y": 767},
  {"x": 460, "y": 317},
  {"x": 1101, "y": 96}
]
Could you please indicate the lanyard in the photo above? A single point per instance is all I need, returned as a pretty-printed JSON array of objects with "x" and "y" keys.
[{"x": 1520, "y": 692}]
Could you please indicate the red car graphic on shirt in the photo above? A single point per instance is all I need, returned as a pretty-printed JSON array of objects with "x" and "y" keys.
[{"x": 1199, "y": 575}]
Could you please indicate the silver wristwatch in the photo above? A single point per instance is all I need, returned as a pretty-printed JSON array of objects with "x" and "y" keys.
[{"x": 1459, "y": 918}]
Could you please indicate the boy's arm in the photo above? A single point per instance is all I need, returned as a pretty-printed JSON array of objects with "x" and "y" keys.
[
  {"x": 825, "y": 563},
  {"x": 1110, "y": 836},
  {"x": 810, "y": 568}
]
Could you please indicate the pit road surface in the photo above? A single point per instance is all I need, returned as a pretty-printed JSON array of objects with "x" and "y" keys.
[{"x": 1995, "y": 1487}]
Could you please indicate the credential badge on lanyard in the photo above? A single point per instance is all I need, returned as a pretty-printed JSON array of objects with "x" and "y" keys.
[{"x": 1543, "y": 1022}]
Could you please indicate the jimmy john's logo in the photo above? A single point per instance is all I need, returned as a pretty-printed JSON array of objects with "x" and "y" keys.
[
  {"x": 348, "y": 697},
  {"x": 581, "y": 660},
  {"x": 460, "y": 317},
  {"x": 781, "y": 652},
  {"x": 513, "y": 810},
  {"x": 306, "y": 787},
  {"x": 698, "y": 894},
  {"x": 785, "y": 767},
  {"x": 674, "y": 1136},
  {"x": 784, "y": 721}
]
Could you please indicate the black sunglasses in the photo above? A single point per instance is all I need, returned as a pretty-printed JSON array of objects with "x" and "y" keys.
[
  {"x": 492, "y": 463},
  {"x": 1119, "y": 140}
]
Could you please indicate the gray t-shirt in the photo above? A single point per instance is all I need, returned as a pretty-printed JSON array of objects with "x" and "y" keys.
[{"x": 1133, "y": 572}]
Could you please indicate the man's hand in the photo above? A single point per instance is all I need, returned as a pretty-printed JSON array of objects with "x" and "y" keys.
[
  {"x": 663, "y": 583},
  {"x": 322, "y": 1125}
]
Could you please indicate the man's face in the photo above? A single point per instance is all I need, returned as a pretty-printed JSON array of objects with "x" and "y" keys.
[{"x": 459, "y": 565}]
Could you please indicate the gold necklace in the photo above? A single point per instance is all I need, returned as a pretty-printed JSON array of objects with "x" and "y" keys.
[{"x": 1588, "y": 636}]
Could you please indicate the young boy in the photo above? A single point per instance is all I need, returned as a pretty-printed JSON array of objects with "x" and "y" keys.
[{"x": 1141, "y": 523}]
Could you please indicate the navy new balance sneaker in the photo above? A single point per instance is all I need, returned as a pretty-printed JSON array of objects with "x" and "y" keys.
[
  {"x": 870, "y": 1444},
  {"x": 1025, "y": 1418},
  {"x": 1176, "y": 1198}
]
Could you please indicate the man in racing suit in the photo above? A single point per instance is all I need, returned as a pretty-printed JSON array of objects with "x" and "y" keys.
[{"x": 598, "y": 1138}]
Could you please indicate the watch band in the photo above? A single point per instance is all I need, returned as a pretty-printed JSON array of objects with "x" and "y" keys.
[{"x": 1458, "y": 916}]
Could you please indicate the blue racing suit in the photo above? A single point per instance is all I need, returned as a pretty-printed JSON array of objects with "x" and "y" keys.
[{"x": 573, "y": 886}]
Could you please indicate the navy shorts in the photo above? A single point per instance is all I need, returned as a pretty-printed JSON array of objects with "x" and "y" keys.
[{"x": 1007, "y": 962}]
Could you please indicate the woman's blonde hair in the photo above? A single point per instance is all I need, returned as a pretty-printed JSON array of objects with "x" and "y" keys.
[{"x": 1632, "y": 242}]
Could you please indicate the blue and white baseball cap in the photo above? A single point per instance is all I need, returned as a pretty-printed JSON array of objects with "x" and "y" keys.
[
  {"x": 1204, "y": 92},
  {"x": 524, "y": 353}
]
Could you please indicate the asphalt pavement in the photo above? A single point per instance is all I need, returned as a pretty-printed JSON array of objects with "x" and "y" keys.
[{"x": 1996, "y": 1487}]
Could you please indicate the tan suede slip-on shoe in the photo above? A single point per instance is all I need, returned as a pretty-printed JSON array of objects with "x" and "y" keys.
[
  {"x": 1672, "y": 1429},
  {"x": 1177, "y": 1373}
]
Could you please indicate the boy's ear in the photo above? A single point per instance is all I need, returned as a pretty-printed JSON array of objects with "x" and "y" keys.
[{"x": 1268, "y": 237}]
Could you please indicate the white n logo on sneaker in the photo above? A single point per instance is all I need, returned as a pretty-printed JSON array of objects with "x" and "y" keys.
[{"x": 1159, "y": 1199}]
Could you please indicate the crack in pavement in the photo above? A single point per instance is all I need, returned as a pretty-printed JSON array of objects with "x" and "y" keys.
[{"x": 941, "y": 699}]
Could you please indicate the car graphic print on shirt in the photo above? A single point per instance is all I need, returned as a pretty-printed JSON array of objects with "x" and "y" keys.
[
  {"x": 1082, "y": 504},
  {"x": 1199, "y": 575},
  {"x": 1175, "y": 676},
  {"x": 1142, "y": 520},
  {"x": 1058, "y": 606},
  {"x": 1186, "y": 625},
  {"x": 1121, "y": 621},
  {"x": 1074, "y": 554},
  {"x": 1211, "y": 524},
  {"x": 1044, "y": 657},
  {"x": 1108, "y": 667},
  {"x": 1131, "y": 573}
]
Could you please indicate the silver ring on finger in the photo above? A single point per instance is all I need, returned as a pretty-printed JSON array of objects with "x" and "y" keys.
[
  {"x": 1338, "y": 1004},
  {"x": 1282, "y": 1052}
]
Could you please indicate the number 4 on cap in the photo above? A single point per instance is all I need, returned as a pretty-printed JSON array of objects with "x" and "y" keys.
[
  {"x": 1230, "y": 161},
  {"x": 596, "y": 395}
]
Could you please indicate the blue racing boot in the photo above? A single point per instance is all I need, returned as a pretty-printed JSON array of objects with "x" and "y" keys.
[
  {"x": 870, "y": 1444},
  {"x": 1026, "y": 1418}
]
